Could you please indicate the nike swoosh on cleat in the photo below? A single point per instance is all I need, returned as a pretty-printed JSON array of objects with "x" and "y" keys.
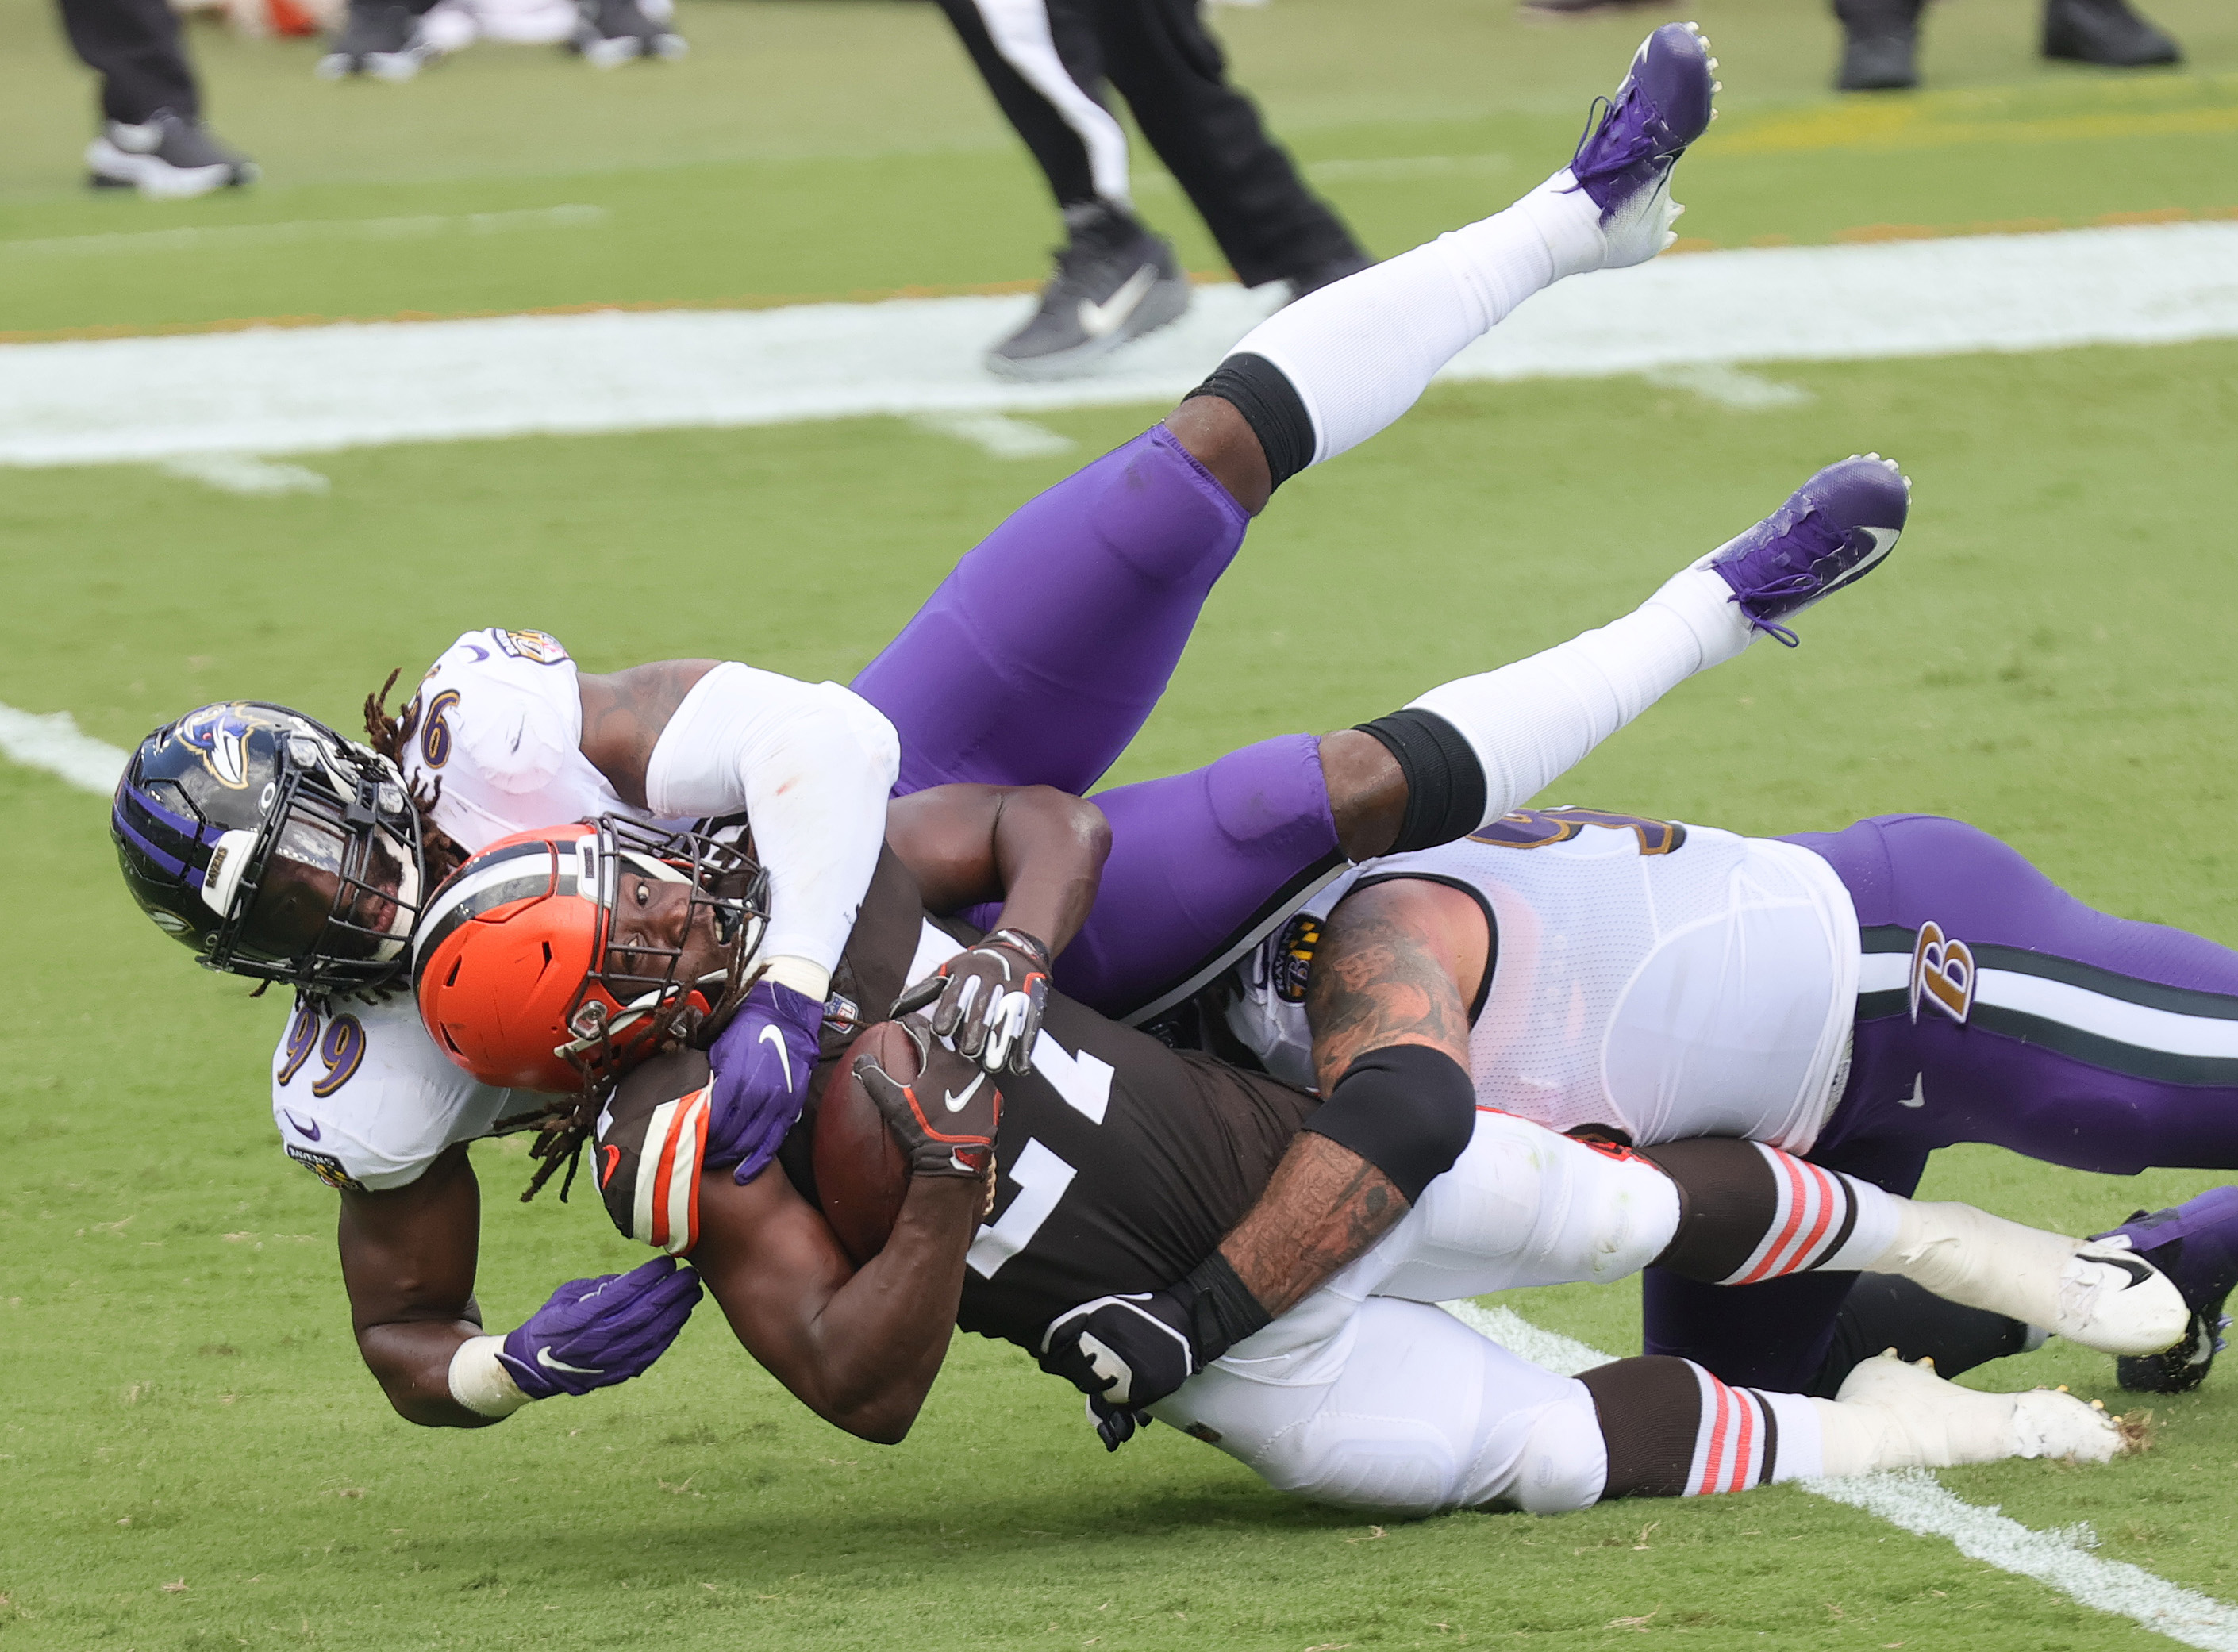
[
  {"x": 2138, "y": 1270},
  {"x": 770, "y": 1035},
  {"x": 957, "y": 1103},
  {"x": 1102, "y": 321},
  {"x": 544, "y": 1358}
]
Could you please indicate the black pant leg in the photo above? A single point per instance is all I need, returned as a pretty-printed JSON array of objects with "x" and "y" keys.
[
  {"x": 1056, "y": 148},
  {"x": 133, "y": 46},
  {"x": 1174, "y": 78}
]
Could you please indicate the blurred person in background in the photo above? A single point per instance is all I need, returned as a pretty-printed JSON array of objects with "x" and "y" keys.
[
  {"x": 1881, "y": 40},
  {"x": 394, "y": 39},
  {"x": 1047, "y": 63},
  {"x": 152, "y": 138}
]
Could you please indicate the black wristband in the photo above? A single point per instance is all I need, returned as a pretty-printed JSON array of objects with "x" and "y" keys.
[{"x": 1222, "y": 1310}]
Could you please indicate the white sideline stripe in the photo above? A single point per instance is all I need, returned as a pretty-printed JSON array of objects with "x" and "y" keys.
[
  {"x": 52, "y": 742},
  {"x": 999, "y": 435},
  {"x": 1915, "y": 1500},
  {"x": 2137, "y": 1025},
  {"x": 134, "y": 242},
  {"x": 304, "y": 390},
  {"x": 245, "y": 473},
  {"x": 1730, "y": 386}
]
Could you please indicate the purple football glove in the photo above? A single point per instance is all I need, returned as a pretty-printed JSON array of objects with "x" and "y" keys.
[
  {"x": 594, "y": 1333},
  {"x": 762, "y": 1061}
]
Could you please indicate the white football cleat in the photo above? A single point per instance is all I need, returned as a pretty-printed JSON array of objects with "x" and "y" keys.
[
  {"x": 1926, "y": 1423},
  {"x": 2114, "y": 1300}
]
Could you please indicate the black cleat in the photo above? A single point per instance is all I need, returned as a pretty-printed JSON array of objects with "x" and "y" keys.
[
  {"x": 2105, "y": 32},
  {"x": 380, "y": 38},
  {"x": 1880, "y": 40},
  {"x": 2195, "y": 1244},
  {"x": 165, "y": 157},
  {"x": 1114, "y": 282},
  {"x": 614, "y": 32}
]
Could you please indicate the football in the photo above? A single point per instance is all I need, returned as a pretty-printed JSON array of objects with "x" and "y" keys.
[{"x": 860, "y": 1173}]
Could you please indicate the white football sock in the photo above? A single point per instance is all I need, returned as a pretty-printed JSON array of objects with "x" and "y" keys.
[
  {"x": 1531, "y": 722},
  {"x": 1970, "y": 1257},
  {"x": 1890, "y": 1415},
  {"x": 1359, "y": 352}
]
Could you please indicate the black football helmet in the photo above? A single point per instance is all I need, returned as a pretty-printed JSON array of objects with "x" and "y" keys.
[{"x": 273, "y": 847}]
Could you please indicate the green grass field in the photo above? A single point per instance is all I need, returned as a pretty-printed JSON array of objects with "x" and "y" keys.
[{"x": 190, "y": 1453}]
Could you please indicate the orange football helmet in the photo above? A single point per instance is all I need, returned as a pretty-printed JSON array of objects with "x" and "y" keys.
[{"x": 518, "y": 973}]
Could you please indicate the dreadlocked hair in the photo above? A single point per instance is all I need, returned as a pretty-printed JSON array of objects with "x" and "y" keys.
[
  {"x": 390, "y": 736},
  {"x": 562, "y": 1126}
]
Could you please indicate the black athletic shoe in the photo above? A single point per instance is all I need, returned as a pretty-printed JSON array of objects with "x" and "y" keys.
[
  {"x": 1114, "y": 282},
  {"x": 2195, "y": 1244},
  {"x": 1880, "y": 40},
  {"x": 384, "y": 40},
  {"x": 2105, "y": 32},
  {"x": 613, "y": 32},
  {"x": 166, "y": 156}
]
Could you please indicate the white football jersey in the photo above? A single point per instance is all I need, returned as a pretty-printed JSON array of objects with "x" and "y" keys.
[
  {"x": 498, "y": 724},
  {"x": 495, "y": 731},
  {"x": 365, "y": 1101},
  {"x": 368, "y": 1102},
  {"x": 1670, "y": 981}
]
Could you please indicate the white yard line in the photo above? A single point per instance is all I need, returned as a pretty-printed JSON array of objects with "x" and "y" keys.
[
  {"x": 2061, "y": 1560},
  {"x": 52, "y": 743},
  {"x": 282, "y": 391},
  {"x": 245, "y": 473},
  {"x": 999, "y": 435},
  {"x": 1915, "y": 1500}
]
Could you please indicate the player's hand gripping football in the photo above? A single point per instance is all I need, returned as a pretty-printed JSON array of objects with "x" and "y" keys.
[
  {"x": 946, "y": 1117},
  {"x": 991, "y": 1000},
  {"x": 594, "y": 1333},
  {"x": 1124, "y": 1352},
  {"x": 762, "y": 1061}
]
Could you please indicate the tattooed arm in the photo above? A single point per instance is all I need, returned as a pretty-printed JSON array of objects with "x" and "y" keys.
[
  {"x": 624, "y": 713},
  {"x": 1398, "y": 963}
]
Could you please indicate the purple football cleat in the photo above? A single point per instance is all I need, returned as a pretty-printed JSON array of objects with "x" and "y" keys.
[
  {"x": 1632, "y": 141},
  {"x": 2195, "y": 1244},
  {"x": 1833, "y": 531}
]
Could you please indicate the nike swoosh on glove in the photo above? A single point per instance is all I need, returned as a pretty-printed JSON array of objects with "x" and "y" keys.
[
  {"x": 594, "y": 1333},
  {"x": 1124, "y": 1352},
  {"x": 946, "y": 1117},
  {"x": 762, "y": 1061},
  {"x": 991, "y": 999}
]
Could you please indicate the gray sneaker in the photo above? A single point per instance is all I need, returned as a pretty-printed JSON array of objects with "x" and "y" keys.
[
  {"x": 166, "y": 157},
  {"x": 614, "y": 32},
  {"x": 1114, "y": 282},
  {"x": 385, "y": 40}
]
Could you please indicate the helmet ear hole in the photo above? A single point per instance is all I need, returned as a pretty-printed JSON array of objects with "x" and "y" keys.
[{"x": 550, "y": 1005}]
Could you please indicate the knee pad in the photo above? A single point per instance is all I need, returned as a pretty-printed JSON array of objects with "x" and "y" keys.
[
  {"x": 1565, "y": 1462},
  {"x": 1386, "y": 1462},
  {"x": 1407, "y": 1109}
]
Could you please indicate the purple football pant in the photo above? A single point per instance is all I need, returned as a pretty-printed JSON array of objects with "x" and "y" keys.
[
  {"x": 2086, "y": 1041},
  {"x": 1035, "y": 663}
]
